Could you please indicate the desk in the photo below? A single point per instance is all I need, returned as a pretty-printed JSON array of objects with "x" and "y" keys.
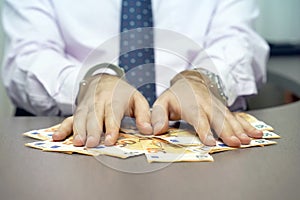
[{"x": 258, "y": 173}]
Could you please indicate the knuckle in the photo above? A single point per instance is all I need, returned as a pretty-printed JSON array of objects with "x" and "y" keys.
[
  {"x": 91, "y": 116},
  {"x": 80, "y": 110},
  {"x": 194, "y": 110}
]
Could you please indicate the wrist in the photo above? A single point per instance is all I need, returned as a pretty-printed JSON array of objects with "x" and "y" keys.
[
  {"x": 190, "y": 75},
  {"x": 93, "y": 74},
  {"x": 204, "y": 77}
]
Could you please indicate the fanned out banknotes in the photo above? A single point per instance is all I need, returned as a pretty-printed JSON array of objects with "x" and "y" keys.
[{"x": 176, "y": 145}]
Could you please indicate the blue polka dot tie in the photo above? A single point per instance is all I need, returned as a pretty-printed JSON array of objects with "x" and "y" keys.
[{"x": 136, "y": 46}]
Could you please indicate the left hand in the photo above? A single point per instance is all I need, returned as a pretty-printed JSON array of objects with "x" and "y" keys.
[
  {"x": 104, "y": 102},
  {"x": 190, "y": 100}
]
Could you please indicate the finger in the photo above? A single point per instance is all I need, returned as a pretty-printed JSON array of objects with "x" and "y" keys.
[
  {"x": 248, "y": 128},
  {"x": 238, "y": 129},
  {"x": 65, "y": 129},
  {"x": 220, "y": 122},
  {"x": 159, "y": 117},
  {"x": 112, "y": 124},
  {"x": 198, "y": 119},
  {"x": 142, "y": 114},
  {"x": 79, "y": 126},
  {"x": 226, "y": 133},
  {"x": 94, "y": 126}
]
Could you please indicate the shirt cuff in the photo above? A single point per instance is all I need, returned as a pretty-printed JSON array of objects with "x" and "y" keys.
[{"x": 67, "y": 93}]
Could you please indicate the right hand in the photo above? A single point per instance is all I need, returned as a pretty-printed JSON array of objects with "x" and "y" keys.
[
  {"x": 105, "y": 102},
  {"x": 190, "y": 99}
]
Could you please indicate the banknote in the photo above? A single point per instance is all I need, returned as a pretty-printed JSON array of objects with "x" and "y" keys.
[
  {"x": 176, "y": 145},
  {"x": 158, "y": 150},
  {"x": 260, "y": 125}
]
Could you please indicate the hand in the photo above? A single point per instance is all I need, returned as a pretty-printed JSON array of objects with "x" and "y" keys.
[
  {"x": 105, "y": 102},
  {"x": 189, "y": 99}
]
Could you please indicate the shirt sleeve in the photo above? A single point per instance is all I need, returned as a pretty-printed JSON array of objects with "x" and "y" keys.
[
  {"x": 37, "y": 72},
  {"x": 234, "y": 51}
]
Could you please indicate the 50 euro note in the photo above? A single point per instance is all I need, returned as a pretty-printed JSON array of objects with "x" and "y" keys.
[
  {"x": 125, "y": 147},
  {"x": 158, "y": 150},
  {"x": 175, "y": 145}
]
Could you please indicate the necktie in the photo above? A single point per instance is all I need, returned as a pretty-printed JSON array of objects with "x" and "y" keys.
[{"x": 136, "y": 46}]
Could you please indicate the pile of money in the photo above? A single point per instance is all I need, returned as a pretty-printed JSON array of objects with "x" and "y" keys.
[{"x": 176, "y": 145}]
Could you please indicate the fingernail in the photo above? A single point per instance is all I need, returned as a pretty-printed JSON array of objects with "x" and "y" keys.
[
  {"x": 210, "y": 140},
  {"x": 244, "y": 136},
  {"x": 158, "y": 126},
  {"x": 147, "y": 128},
  {"x": 235, "y": 141},
  {"x": 258, "y": 133},
  {"x": 147, "y": 125},
  {"x": 77, "y": 137},
  {"x": 108, "y": 140},
  {"x": 78, "y": 141},
  {"x": 234, "y": 138},
  {"x": 55, "y": 136},
  {"x": 91, "y": 141}
]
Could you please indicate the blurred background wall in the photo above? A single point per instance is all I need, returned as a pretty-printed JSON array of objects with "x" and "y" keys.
[{"x": 278, "y": 23}]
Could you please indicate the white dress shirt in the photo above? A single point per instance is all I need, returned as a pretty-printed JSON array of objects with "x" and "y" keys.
[{"x": 48, "y": 42}]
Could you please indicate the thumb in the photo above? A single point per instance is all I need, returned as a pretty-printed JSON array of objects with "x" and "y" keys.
[
  {"x": 159, "y": 117},
  {"x": 142, "y": 114}
]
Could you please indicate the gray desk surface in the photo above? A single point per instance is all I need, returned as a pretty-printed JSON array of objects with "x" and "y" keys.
[
  {"x": 258, "y": 173},
  {"x": 284, "y": 71}
]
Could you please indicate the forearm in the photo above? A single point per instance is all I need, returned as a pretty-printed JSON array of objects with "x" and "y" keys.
[
  {"x": 41, "y": 82},
  {"x": 37, "y": 71},
  {"x": 240, "y": 64},
  {"x": 233, "y": 50}
]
